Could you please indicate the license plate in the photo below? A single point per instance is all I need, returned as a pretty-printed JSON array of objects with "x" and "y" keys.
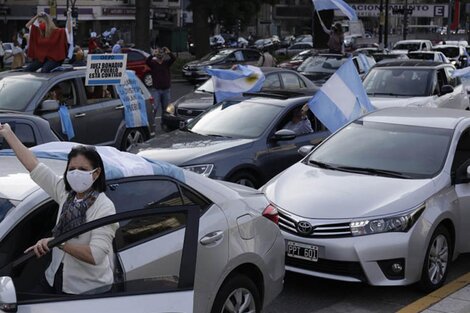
[{"x": 302, "y": 251}]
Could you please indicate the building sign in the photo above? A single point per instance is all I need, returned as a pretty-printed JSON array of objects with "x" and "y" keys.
[
  {"x": 118, "y": 11},
  {"x": 105, "y": 69},
  {"x": 418, "y": 10}
]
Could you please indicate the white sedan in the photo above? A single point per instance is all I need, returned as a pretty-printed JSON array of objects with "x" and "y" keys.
[{"x": 185, "y": 243}]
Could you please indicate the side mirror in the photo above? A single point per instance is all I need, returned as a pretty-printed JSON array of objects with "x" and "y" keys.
[
  {"x": 49, "y": 105},
  {"x": 284, "y": 134},
  {"x": 7, "y": 295},
  {"x": 305, "y": 150},
  {"x": 446, "y": 89}
]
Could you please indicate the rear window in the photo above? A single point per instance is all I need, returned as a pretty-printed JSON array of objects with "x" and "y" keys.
[
  {"x": 17, "y": 92},
  {"x": 450, "y": 52}
]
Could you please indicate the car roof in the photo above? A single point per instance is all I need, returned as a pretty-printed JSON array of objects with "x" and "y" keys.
[
  {"x": 447, "y": 46},
  {"x": 412, "y": 41},
  {"x": 424, "y": 117},
  {"x": 410, "y": 63}
]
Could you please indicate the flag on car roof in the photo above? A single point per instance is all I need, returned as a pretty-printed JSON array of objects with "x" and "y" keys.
[
  {"x": 336, "y": 5},
  {"x": 234, "y": 82},
  {"x": 341, "y": 99}
]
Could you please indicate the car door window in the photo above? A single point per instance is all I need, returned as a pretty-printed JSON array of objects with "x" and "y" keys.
[
  {"x": 133, "y": 227},
  {"x": 251, "y": 56},
  {"x": 24, "y": 132},
  {"x": 96, "y": 94},
  {"x": 64, "y": 92},
  {"x": 272, "y": 82},
  {"x": 290, "y": 81},
  {"x": 239, "y": 56},
  {"x": 462, "y": 152},
  {"x": 303, "y": 125},
  {"x": 133, "y": 56},
  {"x": 451, "y": 80},
  {"x": 441, "y": 78}
]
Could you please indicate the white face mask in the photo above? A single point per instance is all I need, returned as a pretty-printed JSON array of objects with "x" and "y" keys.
[{"x": 79, "y": 180}]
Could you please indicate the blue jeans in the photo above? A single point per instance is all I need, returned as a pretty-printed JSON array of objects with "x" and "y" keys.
[
  {"x": 162, "y": 98},
  {"x": 46, "y": 67}
]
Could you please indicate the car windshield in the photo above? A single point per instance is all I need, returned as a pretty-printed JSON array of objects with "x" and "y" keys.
[
  {"x": 220, "y": 55},
  {"x": 208, "y": 56},
  {"x": 388, "y": 149},
  {"x": 5, "y": 207},
  {"x": 16, "y": 92},
  {"x": 450, "y": 52},
  {"x": 407, "y": 46},
  {"x": 321, "y": 64},
  {"x": 404, "y": 82},
  {"x": 208, "y": 86},
  {"x": 244, "y": 119}
]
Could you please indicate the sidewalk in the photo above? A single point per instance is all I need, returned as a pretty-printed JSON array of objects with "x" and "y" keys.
[{"x": 451, "y": 298}]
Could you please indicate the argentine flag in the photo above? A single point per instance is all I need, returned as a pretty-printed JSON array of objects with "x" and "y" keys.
[
  {"x": 336, "y": 5},
  {"x": 231, "y": 83},
  {"x": 341, "y": 99},
  {"x": 463, "y": 73}
]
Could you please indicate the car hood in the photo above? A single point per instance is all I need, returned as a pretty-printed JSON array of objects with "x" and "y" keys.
[
  {"x": 317, "y": 193},
  {"x": 391, "y": 101},
  {"x": 195, "y": 100},
  {"x": 182, "y": 148}
]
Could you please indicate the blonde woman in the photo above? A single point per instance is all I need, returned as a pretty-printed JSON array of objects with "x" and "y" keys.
[{"x": 48, "y": 44}]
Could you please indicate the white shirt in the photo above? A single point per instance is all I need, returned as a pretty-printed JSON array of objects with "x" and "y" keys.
[{"x": 79, "y": 276}]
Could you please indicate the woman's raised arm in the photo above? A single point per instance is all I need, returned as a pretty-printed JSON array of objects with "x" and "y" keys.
[{"x": 26, "y": 157}]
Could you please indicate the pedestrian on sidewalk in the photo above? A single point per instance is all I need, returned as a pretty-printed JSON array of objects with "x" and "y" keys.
[
  {"x": 48, "y": 44},
  {"x": 160, "y": 62}
]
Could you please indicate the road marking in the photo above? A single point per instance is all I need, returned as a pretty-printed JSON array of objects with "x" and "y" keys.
[{"x": 437, "y": 295}]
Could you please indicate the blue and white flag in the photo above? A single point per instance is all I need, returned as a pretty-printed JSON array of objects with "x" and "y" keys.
[
  {"x": 232, "y": 83},
  {"x": 135, "y": 110},
  {"x": 66, "y": 122},
  {"x": 463, "y": 73},
  {"x": 365, "y": 63},
  {"x": 341, "y": 99},
  {"x": 336, "y": 5}
]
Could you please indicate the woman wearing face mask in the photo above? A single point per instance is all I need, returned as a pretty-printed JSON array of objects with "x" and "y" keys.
[
  {"x": 82, "y": 263},
  {"x": 48, "y": 44}
]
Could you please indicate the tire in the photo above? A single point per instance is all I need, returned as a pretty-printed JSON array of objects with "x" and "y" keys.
[
  {"x": 132, "y": 136},
  {"x": 148, "y": 81},
  {"x": 229, "y": 293},
  {"x": 244, "y": 178},
  {"x": 435, "y": 269}
]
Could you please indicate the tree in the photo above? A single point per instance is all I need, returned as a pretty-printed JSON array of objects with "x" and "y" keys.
[
  {"x": 228, "y": 13},
  {"x": 142, "y": 21}
]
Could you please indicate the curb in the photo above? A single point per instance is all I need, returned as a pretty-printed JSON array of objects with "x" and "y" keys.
[{"x": 437, "y": 295}]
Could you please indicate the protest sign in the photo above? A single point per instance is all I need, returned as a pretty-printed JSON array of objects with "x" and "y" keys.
[
  {"x": 105, "y": 69},
  {"x": 135, "y": 111}
]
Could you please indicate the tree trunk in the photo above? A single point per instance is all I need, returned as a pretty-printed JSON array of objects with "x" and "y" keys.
[
  {"x": 201, "y": 30},
  {"x": 142, "y": 22}
]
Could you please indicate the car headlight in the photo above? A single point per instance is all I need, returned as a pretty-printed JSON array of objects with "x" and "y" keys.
[
  {"x": 170, "y": 109},
  {"x": 203, "y": 169},
  {"x": 397, "y": 223}
]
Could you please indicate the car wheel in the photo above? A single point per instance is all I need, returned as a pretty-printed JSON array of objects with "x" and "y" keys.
[
  {"x": 148, "y": 81},
  {"x": 244, "y": 178},
  {"x": 132, "y": 137},
  {"x": 239, "y": 295},
  {"x": 436, "y": 263}
]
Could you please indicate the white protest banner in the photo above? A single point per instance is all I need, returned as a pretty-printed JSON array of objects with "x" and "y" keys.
[{"x": 105, "y": 69}]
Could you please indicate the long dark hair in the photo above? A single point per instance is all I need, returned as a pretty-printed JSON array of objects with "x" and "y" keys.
[{"x": 90, "y": 153}]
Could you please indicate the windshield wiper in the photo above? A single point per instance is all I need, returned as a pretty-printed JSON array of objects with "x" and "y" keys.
[
  {"x": 375, "y": 171},
  {"x": 382, "y": 94},
  {"x": 217, "y": 135},
  {"x": 322, "y": 165}
]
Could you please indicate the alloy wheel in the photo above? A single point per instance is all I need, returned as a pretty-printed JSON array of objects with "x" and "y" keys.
[
  {"x": 239, "y": 301},
  {"x": 438, "y": 259}
]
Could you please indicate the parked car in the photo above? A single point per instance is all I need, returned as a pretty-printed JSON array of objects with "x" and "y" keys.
[
  {"x": 297, "y": 59},
  {"x": 457, "y": 54},
  {"x": 383, "y": 201},
  {"x": 415, "y": 83},
  {"x": 136, "y": 61},
  {"x": 239, "y": 140},
  {"x": 225, "y": 58},
  {"x": 412, "y": 45},
  {"x": 185, "y": 243},
  {"x": 31, "y": 130},
  {"x": 97, "y": 114},
  {"x": 192, "y": 104},
  {"x": 435, "y": 56},
  {"x": 294, "y": 49},
  {"x": 319, "y": 68}
]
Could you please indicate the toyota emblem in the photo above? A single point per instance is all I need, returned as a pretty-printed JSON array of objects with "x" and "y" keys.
[{"x": 304, "y": 228}]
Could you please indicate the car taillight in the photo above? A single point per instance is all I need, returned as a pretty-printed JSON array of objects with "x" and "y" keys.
[{"x": 271, "y": 213}]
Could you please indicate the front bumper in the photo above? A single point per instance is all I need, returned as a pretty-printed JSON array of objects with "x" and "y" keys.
[{"x": 356, "y": 259}]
